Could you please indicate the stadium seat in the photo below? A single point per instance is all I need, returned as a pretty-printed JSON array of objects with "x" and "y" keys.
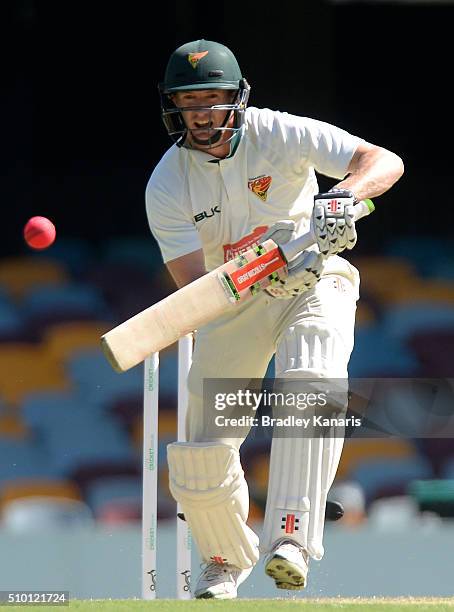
[
  {"x": 444, "y": 269},
  {"x": 365, "y": 315},
  {"x": 64, "y": 339},
  {"x": 86, "y": 473},
  {"x": 106, "y": 489},
  {"x": 257, "y": 472},
  {"x": 11, "y": 322},
  {"x": 360, "y": 450},
  {"x": 13, "y": 326},
  {"x": 114, "y": 280},
  {"x": 19, "y": 274},
  {"x": 56, "y": 488},
  {"x": 129, "y": 290},
  {"x": 13, "y": 426},
  {"x": 167, "y": 426},
  {"x": 376, "y": 351},
  {"x": 432, "y": 348},
  {"x": 75, "y": 254},
  {"x": 436, "y": 292},
  {"x": 125, "y": 410},
  {"x": 372, "y": 475},
  {"x": 255, "y": 455},
  {"x": 77, "y": 442},
  {"x": 401, "y": 321},
  {"x": 142, "y": 252},
  {"x": 439, "y": 451},
  {"x": 448, "y": 469},
  {"x": 120, "y": 512},
  {"x": 94, "y": 378},
  {"x": 27, "y": 368},
  {"x": 64, "y": 303},
  {"x": 440, "y": 250},
  {"x": 167, "y": 507},
  {"x": 45, "y": 411},
  {"x": 376, "y": 272},
  {"x": 5, "y": 297},
  {"x": 23, "y": 459},
  {"x": 168, "y": 372},
  {"x": 434, "y": 495}
]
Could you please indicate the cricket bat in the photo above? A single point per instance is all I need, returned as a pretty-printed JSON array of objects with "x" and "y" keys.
[{"x": 205, "y": 299}]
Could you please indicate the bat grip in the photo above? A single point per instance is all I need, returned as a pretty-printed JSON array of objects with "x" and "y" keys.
[{"x": 292, "y": 248}]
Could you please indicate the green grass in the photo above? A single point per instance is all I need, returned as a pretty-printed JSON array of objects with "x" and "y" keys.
[{"x": 428, "y": 604}]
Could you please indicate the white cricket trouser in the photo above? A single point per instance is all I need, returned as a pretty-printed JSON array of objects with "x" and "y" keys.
[{"x": 312, "y": 337}]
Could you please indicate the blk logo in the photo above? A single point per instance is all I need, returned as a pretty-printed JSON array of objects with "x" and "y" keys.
[{"x": 206, "y": 215}]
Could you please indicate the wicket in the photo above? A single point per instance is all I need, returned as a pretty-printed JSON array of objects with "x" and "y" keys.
[{"x": 150, "y": 474}]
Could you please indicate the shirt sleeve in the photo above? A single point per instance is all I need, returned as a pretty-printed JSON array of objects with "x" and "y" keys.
[
  {"x": 327, "y": 148},
  {"x": 171, "y": 226},
  {"x": 306, "y": 142}
]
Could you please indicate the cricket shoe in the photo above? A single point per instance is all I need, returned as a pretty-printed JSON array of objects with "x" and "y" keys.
[
  {"x": 288, "y": 565},
  {"x": 220, "y": 581}
]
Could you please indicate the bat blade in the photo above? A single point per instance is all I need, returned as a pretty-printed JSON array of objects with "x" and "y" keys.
[
  {"x": 193, "y": 306},
  {"x": 165, "y": 322},
  {"x": 203, "y": 300}
]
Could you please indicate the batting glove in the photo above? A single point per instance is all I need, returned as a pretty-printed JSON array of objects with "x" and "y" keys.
[
  {"x": 332, "y": 221},
  {"x": 304, "y": 270}
]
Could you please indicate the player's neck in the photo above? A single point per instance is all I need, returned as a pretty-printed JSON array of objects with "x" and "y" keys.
[{"x": 220, "y": 152}]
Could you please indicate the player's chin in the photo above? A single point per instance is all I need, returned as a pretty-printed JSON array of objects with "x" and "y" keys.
[
  {"x": 206, "y": 138},
  {"x": 203, "y": 136},
  {"x": 201, "y": 144}
]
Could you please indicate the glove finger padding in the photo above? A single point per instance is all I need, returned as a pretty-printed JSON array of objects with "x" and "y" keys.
[
  {"x": 350, "y": 229},
  {"x": 333, "y": 222},
  {"x": 304, "y": 272}
]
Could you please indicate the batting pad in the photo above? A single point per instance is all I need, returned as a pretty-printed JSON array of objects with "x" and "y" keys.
[
  {"x": 301, "y": 473},
  {"x": 302, "y": 468},
  {"x": 208, "y": 481}
]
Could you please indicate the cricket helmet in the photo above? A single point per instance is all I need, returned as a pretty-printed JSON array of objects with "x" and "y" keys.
[{"x": 200, "y": 65}]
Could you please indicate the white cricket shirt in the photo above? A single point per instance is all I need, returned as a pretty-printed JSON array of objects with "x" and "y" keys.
[{"x": 223, "y": 206}]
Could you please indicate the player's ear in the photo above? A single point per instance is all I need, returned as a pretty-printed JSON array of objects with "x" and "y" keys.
[{"x": 174, "y": 97}]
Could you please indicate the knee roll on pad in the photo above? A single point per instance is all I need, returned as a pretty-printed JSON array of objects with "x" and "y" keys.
[
  {"x": 314, "y": 352},
  {"x": 208, "y": 481},
  {"x": 312, "y": 349}
]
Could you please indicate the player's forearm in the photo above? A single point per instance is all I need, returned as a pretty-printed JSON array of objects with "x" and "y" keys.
[
  {"x": 372, "y": 172},
  {"x": 188, "y": 268}
]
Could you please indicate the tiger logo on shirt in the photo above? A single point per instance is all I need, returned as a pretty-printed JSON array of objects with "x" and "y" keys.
[{"x": 260, "y": 185}]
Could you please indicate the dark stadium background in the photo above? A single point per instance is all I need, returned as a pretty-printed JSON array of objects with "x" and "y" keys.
[{"x": 80, "y": 112}]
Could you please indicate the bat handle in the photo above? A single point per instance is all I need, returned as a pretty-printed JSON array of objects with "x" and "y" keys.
[{"x": 292, "y": 248}]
